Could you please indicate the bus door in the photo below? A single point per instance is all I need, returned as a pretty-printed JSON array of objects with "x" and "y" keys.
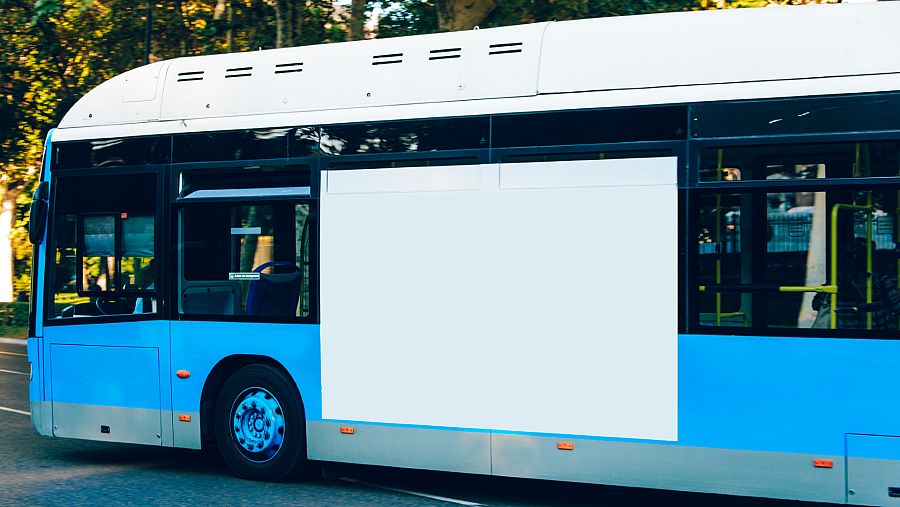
[
  {"x": 243, "y": 273},
  {"x": 106, "y": 344}
]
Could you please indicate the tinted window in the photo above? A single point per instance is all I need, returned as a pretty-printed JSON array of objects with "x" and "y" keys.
[
  {"x": 248, "y": 261},
  {"x": 765, "y": 260},
  {"x": 245, "y": 177},
  {"x": 104, "y": 246},
  {"x": 240, "y": 145},
  {"x": 801, "y": 162},
  {"x": 112, "y": 152},
  {"x": 406, "y": 136},
  {"x": 590, "y": 127},
  {"x": 304, "y": 142},
  {"x": 797, "y": 116}
]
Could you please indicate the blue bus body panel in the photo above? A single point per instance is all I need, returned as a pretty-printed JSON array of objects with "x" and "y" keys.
[
  {"x": 103, "y": 345},
  {"x": 794, "y": 395},
  {"x": 115, "y": 376},
  {"x": 797, "y": 395},
  {"x": 873, "y": 446},
  {"x": 108, "y": 381},
  {"x": 198, "y": 346}
]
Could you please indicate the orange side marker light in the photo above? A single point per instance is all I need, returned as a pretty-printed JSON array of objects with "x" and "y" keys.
[
  {"x": 823, "y": 463},
  {"x": 182, "y": 374},
  {"x": 347, "y": 430},
  {"x": 565, "y": 446},
  {"x": 184, "y": 418}
]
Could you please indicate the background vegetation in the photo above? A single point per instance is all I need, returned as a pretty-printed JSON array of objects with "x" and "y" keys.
[{"x": 53, "y": 51}]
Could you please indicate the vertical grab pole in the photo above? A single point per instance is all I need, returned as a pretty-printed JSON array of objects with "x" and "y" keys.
[
  {"x": 869, "y": 273},
  {"x": 864, "y": 163},
  {"x": 718, "y": 238},
  {"x": 834, "y": 266},
  {"x": 834, "y": 252}
]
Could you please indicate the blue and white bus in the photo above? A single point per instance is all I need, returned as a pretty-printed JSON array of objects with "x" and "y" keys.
[{"x": 656, "y": 251}]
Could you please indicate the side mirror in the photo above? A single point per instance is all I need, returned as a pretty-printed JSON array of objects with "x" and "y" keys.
[{"x": 40, "y": 209}]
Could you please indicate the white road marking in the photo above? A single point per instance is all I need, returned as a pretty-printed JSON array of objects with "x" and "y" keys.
[
  {"x": 13, "y": 341},
  {"x": 13, "y": 372},
  {"x": 413, "y": 493},
  {"x": 14, "y": 411},
  {"x": 13, "y": 354}
]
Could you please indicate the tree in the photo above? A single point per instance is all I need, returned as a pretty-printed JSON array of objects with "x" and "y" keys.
[
  {"x": 357, "y": 21},
  {"x": 453, "y": 15},
  {"x": 53, "y": 51},
  {"x": 410, "y": 17}
]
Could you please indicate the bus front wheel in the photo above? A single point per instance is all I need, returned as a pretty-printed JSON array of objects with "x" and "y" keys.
[{"x": 260, "y": 424}]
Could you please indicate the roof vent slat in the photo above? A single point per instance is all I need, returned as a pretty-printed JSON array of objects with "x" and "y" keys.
[
  {"x": 443, "y": 54},
  {"x": 194, "y": 75},
  {"x": 284, "y": 68},
  {"x": 238, "y": 72},
  {"x": 505, "y": 48},
  {"x": 387, "y": 59}
]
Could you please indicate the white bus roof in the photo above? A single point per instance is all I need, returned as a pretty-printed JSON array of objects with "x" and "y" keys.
[{"x": 656, "y": 58}]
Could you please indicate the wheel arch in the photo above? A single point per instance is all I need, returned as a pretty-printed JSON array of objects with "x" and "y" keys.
[{"x": 216, "y": 378}]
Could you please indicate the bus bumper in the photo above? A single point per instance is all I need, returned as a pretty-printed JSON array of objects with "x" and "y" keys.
[{"x": 40, "y": 414}]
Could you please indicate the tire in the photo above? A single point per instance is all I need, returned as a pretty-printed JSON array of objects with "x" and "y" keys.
[{"x": 260, "y": 425}]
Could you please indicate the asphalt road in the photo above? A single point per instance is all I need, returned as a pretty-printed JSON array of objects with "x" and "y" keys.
[{"x": 35, "y": 470}]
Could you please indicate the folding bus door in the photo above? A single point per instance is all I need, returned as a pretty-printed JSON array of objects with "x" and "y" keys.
[{"x": 105, "y": 342}]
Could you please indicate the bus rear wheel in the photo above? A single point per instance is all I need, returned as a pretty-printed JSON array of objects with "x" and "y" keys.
[{"x": 260, "y": 425}]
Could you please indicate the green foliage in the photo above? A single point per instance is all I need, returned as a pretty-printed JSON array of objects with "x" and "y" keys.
[
  {"x": 529, "y": 11},
  {"x": 54, "y": 51},
  {"x": 410, "y": 17},
  {"x": 13, "y": 314}
]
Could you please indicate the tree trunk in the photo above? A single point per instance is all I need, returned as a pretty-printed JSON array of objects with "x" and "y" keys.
[
  {"x": 299, "y": 13},
  {"x": 283, "y": 30},
  {"x": 454, "y": 15},
  {"x": 223, "y": 8},
  {"x": 185, "y": 30},
  {"x": 357, "y": 20},
  {"x": 219, "y": 10},
  {"x": 7, "y": 223},
  {"x": 229, "y": 34}
]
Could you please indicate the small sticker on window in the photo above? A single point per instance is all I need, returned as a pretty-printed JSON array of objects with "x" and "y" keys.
[
  {"x": 246, "y": 230},
  {"x": 243, "y": 276}
]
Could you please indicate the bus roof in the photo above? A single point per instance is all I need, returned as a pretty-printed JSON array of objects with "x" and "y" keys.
[{"x": 646, "y": 53}]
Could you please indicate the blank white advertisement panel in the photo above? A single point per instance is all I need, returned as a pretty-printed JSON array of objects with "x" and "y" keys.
[{"x": 536, "y": 297}]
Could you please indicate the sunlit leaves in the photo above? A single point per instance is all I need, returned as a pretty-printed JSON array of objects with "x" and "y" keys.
[{"x": 43, "y": 9}]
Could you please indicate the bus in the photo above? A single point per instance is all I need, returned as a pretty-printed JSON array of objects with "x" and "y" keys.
[{"x": 656, "y": 251}]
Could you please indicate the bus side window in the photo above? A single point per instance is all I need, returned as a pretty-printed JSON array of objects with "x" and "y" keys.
[
  {"x": 249, "y": 260},
  {"x": 804, "y": 256},
  {"x": 104, "y": 246}
]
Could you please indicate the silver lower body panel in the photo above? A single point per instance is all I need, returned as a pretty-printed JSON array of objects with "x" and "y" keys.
[{"x": 747, "y": 473}]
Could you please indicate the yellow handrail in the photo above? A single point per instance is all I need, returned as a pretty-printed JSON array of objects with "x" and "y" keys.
[
  {"x": 834, "y": 257},
  {"x": 825, "y": 289}
]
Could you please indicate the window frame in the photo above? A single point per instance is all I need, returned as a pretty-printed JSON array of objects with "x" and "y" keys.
[
  {"x": 699, "y": 145},
  {"x": 159, "y": 238},
  {"x": 175, "y": 275},
  {"x": 148, "y": 154},
  {"x": 695, "y": 189}
]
